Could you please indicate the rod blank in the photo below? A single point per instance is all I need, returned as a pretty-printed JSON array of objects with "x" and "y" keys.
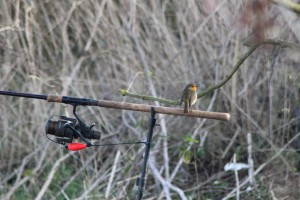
[
  {"x": 121, "y": 105},
  {"x": 144, "y": 108}
]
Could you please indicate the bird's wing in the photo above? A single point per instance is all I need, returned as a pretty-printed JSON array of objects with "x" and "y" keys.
[
  {"x": 181, "y": 100},
  {"x": 186, "y": 106}
]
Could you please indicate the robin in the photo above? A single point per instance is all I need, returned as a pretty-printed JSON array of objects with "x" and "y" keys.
[{"x": 189, "y": 96}]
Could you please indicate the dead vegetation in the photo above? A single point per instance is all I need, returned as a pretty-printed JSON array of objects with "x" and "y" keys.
[{"x": 94, "y": 48}]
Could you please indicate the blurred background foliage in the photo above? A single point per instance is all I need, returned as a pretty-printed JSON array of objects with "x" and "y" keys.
[{"x": 94, "y": 48}]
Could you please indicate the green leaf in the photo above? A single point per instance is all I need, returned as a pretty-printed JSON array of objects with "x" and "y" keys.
[
  {"x": 148, "y": 73},
  {"x": 187, "y": 157},
  {"x": 201, "y": 153},
  {"x": 189, "y": 139},
  {"x": 186, "y": 154},
  {"x": 27, "y": 172},
  {"x": 123, "y": 92}
]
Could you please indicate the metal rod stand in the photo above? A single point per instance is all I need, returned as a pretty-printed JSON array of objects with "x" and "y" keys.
[{"x": 140, "y": 181}]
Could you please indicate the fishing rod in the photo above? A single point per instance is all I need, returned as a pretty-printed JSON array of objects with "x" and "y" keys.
[{"x": 63, "y": 130}]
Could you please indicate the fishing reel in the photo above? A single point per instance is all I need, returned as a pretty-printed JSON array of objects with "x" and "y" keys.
[{"x": 64, "y": 129}]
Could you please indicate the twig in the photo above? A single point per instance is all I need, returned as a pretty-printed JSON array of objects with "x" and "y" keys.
[
  {"x": 263, "y": 134},
  {"x": 228, "y": 77},
  {"x": 157, "y": 175},
  {"x": 20, "y": 181},
  {"x": 148, "y": 98},
  {"x": 281, "y": 43},
  {"x": 250, "y": 159},
  {"x": 97, "y": 179},
  {"x": 161, "y": 118},
  {"x": 72, "y": 178},
  {"x": 51, "y": 176},
  {"x": 112, "y": 174},
  {"x": 276, "y": 50},
  {"x": 237, "y": 182},
  {"x": 87, "y": 45},
  {"x": 253, "y": 47},
  {"x": 229, "y": 195},
  {"x": 231, "y": 142},
  {"x": 289, "y": 4},
  {"x": 195, "y": 132}
]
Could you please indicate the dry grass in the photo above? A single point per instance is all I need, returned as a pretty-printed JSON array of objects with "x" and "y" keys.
[{"x": 93, "y": 48}]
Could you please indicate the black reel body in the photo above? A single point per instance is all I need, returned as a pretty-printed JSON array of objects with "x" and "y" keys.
[
  {"x": 64, "y": 129},
  {"x": 56, "y": 125}
]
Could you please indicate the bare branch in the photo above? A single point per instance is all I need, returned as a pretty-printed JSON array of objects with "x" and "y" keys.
[
  {"x": 253, "y": 46},
  {"x": 289, "y": 4},
  {"x": 149, "y": 98},
  {"x": 51, "y": 176}
]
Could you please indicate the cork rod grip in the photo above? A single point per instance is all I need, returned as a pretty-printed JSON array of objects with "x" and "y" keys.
[{"x": 54, "y": 98}]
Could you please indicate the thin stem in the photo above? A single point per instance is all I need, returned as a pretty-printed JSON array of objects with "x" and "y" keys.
[{"x": 253, "y": 47}]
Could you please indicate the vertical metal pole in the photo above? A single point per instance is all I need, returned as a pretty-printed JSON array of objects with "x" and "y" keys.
[{"x": 140, "y": 181}]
